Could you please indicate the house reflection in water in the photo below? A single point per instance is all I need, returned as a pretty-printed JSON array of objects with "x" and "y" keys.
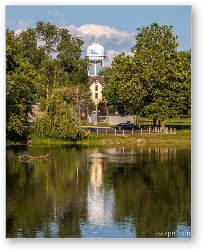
[{"x": 100, "y": 201}]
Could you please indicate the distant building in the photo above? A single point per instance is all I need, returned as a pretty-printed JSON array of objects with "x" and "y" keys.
[
  {"x": 113, "y": 118},
  {"x": 96, "y": 86},
  {"x": 116, "y": 119}
]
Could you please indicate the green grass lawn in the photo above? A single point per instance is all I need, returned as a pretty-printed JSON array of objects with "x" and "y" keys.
[
  {"x": 179, "y": 124},
  {"x": 182, "y": 137},
  {"x": 173, "y": 121}
]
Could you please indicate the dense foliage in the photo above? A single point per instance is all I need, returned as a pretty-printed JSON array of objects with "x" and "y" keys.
[
  {"x": 44, "y": 67},
  {"x": 21, "y": 81},
  {"x": 154, "y": 82}
]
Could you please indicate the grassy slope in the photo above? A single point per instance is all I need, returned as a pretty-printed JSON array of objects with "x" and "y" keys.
[{"x": 181, "y": 138}]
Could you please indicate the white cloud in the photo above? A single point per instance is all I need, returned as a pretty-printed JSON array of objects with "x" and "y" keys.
[
  {"x": 18, "y": 31},
  {"x": 110, "y": 54},
  {"x": 102, "y": 34},
  {"x": 22, "y": 26},
  {"x": 97, "y": 31}
]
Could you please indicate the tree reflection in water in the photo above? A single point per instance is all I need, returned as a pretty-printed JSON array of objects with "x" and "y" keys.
[{"x": 99, "y": 192}]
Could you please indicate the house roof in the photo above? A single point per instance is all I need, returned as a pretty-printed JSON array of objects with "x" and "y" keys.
[{"x": 93, "y": 79}]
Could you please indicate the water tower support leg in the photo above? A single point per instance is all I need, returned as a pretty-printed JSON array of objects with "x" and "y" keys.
[{"x": 95, "y": 69}]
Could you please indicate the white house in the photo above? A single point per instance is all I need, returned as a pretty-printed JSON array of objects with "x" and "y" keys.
[{"x": 96, "y": 86}]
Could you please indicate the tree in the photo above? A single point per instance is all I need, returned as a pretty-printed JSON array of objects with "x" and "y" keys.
[
  {"x": 64, "y": 85},
  {"x": 20, "y": 92},
  {"x": 155, "y": 81},
  {"x": 44, "y": 64},
  {"x": 30, "y": 48},
  {"x": 47, "y": 37},
  {"x": 12, "y": 51},
  {"x": 63, "y": 65},
  {"x": 106, "y": 72},
  {"x": 60, "y": 120},
  {"x": 69, "y": 54},
  {"x": 21, "y": 81}
]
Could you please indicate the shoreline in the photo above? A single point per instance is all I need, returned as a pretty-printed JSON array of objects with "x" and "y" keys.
[{"x": 181, "y": 138}]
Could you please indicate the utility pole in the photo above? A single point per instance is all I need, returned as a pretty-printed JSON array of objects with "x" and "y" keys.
[
  {"x": 96, "y": 113},
  {"x": 78, "y": 105}
]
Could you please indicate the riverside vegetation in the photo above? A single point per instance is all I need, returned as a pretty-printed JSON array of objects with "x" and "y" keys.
[{"x": 181, "y": 138}]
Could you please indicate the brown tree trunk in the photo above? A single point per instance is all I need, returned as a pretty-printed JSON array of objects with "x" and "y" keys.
[
  {"x": 161, "y": 125},
  {"x": 154, "y": 122}
]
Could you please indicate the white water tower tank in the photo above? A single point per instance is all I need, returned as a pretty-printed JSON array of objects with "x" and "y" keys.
[{"x": 95, "y": 53}]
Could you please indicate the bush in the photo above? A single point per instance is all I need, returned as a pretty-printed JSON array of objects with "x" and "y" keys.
[{"x": 65, "y": 127}]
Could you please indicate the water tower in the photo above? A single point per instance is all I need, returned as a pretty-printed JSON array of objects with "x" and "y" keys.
[{"x": 95, "y": 54}]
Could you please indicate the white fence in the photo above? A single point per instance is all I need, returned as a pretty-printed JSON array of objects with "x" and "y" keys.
[{"x": 156, "y": 130}]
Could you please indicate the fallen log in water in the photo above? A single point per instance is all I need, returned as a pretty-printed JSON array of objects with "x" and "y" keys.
[{"x": 31, "y": 158}]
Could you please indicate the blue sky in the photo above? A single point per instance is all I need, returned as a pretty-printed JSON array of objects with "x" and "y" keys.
[{"x": 112, "y": 26}]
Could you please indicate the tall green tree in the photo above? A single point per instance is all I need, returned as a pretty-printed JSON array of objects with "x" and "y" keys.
[
  {"x": 65, "y": 83},
  {"x": 12, "y": 51},
  {"x": 21, "y": 81},
  {"x": 41, "y": 63},
  {"x": 30, "y": 48},
  {"x": 47, "y": 37},
  {"x": 156, "y": 81},
  {"x": 63, "y": 65},
  {"x": 20, "y": 92},
  {"x": 106, "y": 72}
]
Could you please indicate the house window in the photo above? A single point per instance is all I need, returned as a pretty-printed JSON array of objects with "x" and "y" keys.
[
  {"x": 96, "y": 95},
  {"x": 96, "y": 87}
]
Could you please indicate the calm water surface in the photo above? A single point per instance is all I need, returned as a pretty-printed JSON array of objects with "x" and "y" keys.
[{"x": 90, "y": 192}]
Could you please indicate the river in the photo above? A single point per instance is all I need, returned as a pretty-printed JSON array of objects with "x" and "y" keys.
[{"x": 99, "y": 192}]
